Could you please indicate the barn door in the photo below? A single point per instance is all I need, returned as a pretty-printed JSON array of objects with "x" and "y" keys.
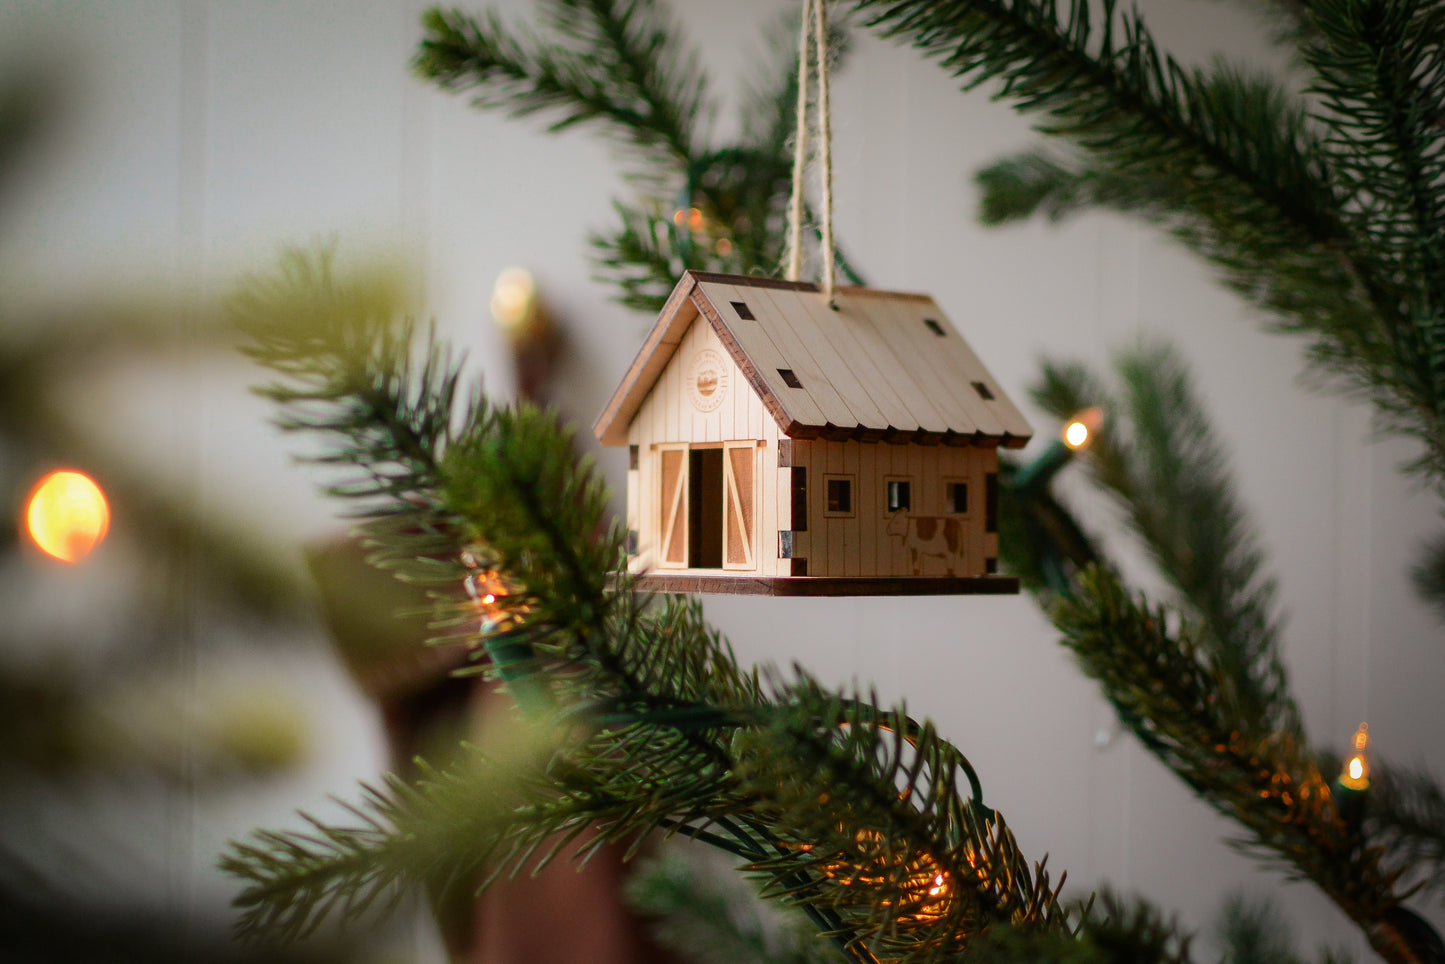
[
  {"x": 672, "y": 529},
  {"x": 738, "y": 513}
]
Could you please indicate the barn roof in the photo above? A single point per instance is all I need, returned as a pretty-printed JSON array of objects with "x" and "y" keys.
[{"x": 885, "y": 366}]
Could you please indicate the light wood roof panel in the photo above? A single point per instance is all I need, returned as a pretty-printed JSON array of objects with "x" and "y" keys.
[
  {"x": 865, "y": 321},
  {"x": 775, "y": 346},
  {"x": 953, "y": 391},
  {"x": 872, "y": 365}
]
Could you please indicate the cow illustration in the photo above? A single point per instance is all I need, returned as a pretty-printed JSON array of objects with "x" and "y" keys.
[{"x": 928, "y": 536}]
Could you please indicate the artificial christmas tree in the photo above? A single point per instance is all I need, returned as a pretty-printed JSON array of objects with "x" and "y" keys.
[{"x": 1322, "y": 214}]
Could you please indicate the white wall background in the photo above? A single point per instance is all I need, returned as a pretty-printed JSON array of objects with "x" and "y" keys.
[{"x": 202, "y": 136}]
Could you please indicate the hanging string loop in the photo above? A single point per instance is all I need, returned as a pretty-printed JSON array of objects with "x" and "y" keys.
[{"x": 815, "y": 24}]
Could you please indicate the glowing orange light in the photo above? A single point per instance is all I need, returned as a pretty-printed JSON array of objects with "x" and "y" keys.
[
  {"x": 1356, "y": 775},
  {"x": 492, "y": 596},
  {"x": 724, "y": 247},
  {"x": 67, "y": 515},
  {"x": 926, "y": 886},
  {"x": 695, "y": 219},
  {"x": 1081, "y": 428},
  {"x": 679, "y": 216}
]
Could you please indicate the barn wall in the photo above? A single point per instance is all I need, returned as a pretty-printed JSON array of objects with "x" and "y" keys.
[
  {"x": 674, "y": 412},
  {"x": 856, "y": 543}
]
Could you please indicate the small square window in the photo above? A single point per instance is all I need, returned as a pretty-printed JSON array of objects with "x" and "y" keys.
[
  {"x": 934, "y": 327},
  {"x": 743, "y": 310},
  {"x": 956, "y": 495},
  {"x": 789, "y": 378},
  {"x": 840, "y": 496},
  {"x": 900, "y": 495},
  {"x": 990, "y": 565},
  {"x": 983, "y": 391}
]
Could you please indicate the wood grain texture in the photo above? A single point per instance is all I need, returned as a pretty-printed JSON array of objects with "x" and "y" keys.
[{"x": 721, "y": 584}]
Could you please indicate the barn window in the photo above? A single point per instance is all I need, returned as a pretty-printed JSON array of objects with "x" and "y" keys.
[
  {"x": 955, "y": 496},
  {"x": 934, "y": 327},
  {"x": 789, "y": 379},
  {"x": 983, "y": 391},
  {"x": 839, "y": 494},
  {"x": 743, "y": 310},
  {"x": 900, "y": 495}
]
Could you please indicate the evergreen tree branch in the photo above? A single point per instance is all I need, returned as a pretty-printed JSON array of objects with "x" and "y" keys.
[
  {"x": 1232, "y": 141},
  {"x": 1428, "y": 573},
  {"x": 1406, "y": 819},
  {"x": 916, "y": 869},
  {"x": 1113, "y": 930},
  {"x": 1381, "y": 75},
  {"x": 1218, "y": 674},
  {"x": 663, "y": 730},
  {"x": 1040, "y": 541},
  {"x": 1165, "y": 684},
  {"x": 1255, "y": 932},
  {"x": 1159, "y": 457},
  {"x": 711, "y": 919},
  {"x": 619, "y": 64},
  {"x": 616, "y": 62},
  {"x": 1230, "y": 164},
  {"x": 1038, "y": 182}
]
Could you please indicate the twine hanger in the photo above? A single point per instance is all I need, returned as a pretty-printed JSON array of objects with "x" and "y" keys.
[{"x": 815, "y": 25}]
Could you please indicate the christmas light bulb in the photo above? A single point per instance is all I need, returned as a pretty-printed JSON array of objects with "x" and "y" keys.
[
  {"x": 1081, "y": 428},
  {"x": 514, "y": 298},
  {"x": 67, "y": 515},
  {"x": 1356, "y": 772}
]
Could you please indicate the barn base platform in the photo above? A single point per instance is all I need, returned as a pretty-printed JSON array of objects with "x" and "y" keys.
[{"x": 829, "y": 585}]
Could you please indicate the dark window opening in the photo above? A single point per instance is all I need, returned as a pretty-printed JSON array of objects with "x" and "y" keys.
[
  {"x": 632, "y": 542},
  {"x": 934, "y": 327},
  {"x": 900, "y": 496},
  {"x": 990, "y": 565},
  {"x": 990, "y": 502},
  {"x": 632, "y": 456},
  {"x": 785, "y": 543},
  {"x": 957, "y": 497},
  {"x": 705, "y": 509},
  {"x": 800, "y": 499},
  {"x": 800, "y": 567},
  {"x": 840, "y": 495},
  {"x": 743, "y": 310},
  {"x": 983, "y": 391},
  {"x": 789, "y": 378},
  {"x": 785, "y": 453}
]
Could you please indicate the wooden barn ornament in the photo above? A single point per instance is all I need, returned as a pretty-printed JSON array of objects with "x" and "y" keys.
[{"x": 782, "y": 446}]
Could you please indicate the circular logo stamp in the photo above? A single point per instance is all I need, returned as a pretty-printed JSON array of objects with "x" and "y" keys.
[{"x": 707, "y": 381}]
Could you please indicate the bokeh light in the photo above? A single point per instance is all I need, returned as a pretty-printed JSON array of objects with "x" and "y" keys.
[{"x": 67, "y": 515}]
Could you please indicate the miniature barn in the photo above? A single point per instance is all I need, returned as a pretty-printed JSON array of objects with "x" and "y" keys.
[{"x": 778, "y": 445}]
